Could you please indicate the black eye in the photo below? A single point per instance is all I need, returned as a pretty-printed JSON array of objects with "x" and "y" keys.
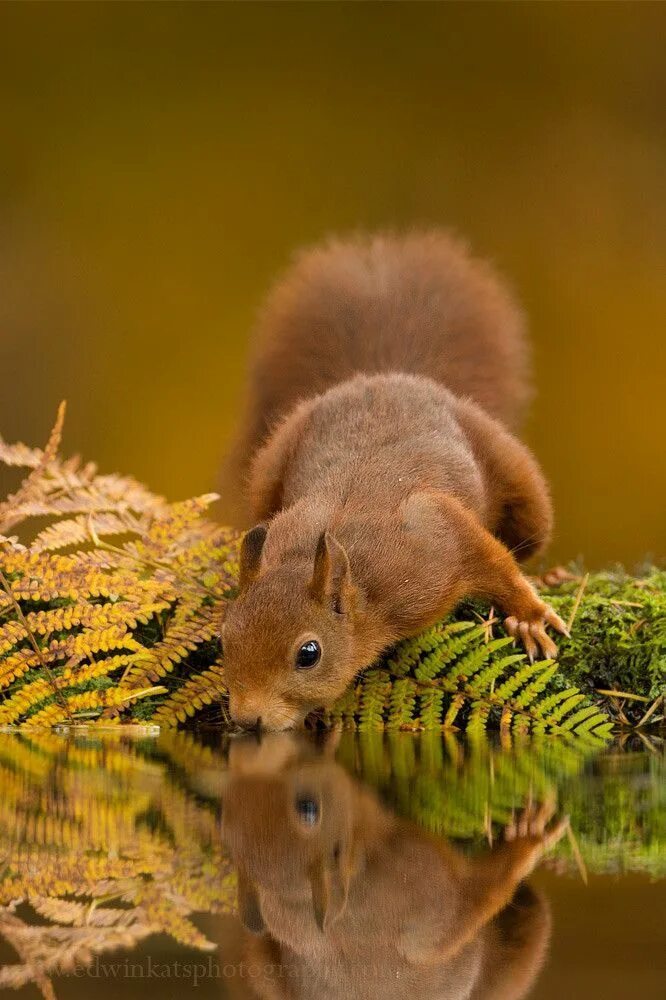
[
  {"x": 307, "y": 810},
  {"x": 308, "y": 655}
]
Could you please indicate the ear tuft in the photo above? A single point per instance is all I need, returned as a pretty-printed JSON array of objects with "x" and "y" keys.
[{"x": 250, "y": 555}]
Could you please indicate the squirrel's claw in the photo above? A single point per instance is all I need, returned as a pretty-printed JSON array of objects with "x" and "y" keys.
[
  {"x": 556, "y": 622},
  {"x": 528, "y": 836},
  {"x": 533, "y": 635},
  {"x": 538, "y": 822}
]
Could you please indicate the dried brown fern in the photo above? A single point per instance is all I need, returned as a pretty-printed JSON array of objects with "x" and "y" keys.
[{"x": 109, "y": 604}]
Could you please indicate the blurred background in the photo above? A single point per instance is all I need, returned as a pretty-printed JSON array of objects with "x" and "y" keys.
[{"x": 161, "y": 161}]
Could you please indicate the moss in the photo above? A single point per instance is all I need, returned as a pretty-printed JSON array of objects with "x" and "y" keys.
[
  {"x": 619, "y": 635},
  {"x": 618, "y": 639}
]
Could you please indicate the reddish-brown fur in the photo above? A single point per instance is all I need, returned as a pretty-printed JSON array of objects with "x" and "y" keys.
[
  {"x": 381, "y": 467},
  {"x": 357, "y": 902}
]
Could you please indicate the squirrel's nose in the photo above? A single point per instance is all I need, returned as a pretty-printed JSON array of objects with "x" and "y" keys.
[{"x": 246, "y": 720}]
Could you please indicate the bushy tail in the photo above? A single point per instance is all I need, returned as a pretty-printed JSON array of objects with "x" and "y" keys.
[{"x": 417, "y": 303}]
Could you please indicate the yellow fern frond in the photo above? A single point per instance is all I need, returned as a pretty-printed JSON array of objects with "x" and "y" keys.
[
  {"x": 19, "y": 455},
  {"x": 85, "y": 702},
  {"x": 32, "y": 694},
  {"x": 191, "y": 626},
  {"x": 199, "y": 690}
]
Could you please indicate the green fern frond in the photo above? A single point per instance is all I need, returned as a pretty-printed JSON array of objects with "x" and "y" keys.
[
  {"x": 375, "y": 695},
  {"x": 456, "y": 703},
  {"x": 513, "y": 684},
  {"x": 404, "y": 692},
  {"x": 485, "y": 679},
  {"x": 455, "y": 686},
  {"x": 447, "y": 650}
]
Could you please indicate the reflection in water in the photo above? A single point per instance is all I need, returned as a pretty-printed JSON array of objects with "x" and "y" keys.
[
  {"x": 373, "y": 867},
  {"x": 101, "y": 846},
  {"x": 346, "y": 899}
]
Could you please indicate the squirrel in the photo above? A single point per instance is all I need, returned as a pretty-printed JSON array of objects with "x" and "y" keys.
[
  {"x": 382, "y": 469},
  {"x": 341, "y": 897}
]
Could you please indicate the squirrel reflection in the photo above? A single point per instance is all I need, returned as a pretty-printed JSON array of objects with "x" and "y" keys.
[{"x": 342, "y": 898}]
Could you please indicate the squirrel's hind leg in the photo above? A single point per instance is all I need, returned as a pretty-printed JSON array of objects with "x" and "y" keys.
[{"x": 520, "y": 513}]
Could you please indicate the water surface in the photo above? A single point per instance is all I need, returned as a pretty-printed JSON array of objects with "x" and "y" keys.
[{"x": 367, "y": 866}]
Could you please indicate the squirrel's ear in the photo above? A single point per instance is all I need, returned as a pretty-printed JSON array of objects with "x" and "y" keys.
[
  {"x": 250, "y": 555},
  {"x": 331, "y": 580},
  {"x": 330, "y": 879},
  {"x": 249, "y": 909}
]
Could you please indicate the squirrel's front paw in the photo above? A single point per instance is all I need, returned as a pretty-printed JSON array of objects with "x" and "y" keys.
[
  {"x": 530, "y": 835},
  {"x": 531, "y": 630}
]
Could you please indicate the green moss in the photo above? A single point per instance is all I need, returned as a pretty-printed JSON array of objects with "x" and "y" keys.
[{"x": 619, "y": 634}]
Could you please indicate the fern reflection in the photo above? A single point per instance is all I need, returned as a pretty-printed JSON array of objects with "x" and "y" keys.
[
  {"x": 109, "y": 839},
  {"x": 102, "y": 845}
]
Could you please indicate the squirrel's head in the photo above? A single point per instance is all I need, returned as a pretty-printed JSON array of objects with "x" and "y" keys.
[
  {"x": 292, "y": 638},
  {"x": 292, "y": 823}
]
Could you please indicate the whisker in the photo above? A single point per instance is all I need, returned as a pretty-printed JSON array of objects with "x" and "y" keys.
[{"x": 524, "y": 543}]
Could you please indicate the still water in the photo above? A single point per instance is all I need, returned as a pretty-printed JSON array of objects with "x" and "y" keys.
[{"x": 421, "y": 867}]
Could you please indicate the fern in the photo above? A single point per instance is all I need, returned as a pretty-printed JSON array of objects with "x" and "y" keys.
[
  {"x": 110, "y": 612},
  {"x": 90, "y": 627},
  {"x": 201, "y": 689},
  {"x": 402, "y": 702},
  {"x": 458, "y": 689}
]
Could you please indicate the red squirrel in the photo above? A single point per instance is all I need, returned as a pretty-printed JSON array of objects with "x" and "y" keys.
[
  {"x": 343, "y": 898},
  {"x": 382, "y": 469}
]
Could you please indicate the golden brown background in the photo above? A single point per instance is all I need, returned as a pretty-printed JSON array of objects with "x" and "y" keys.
[{"x": 159, "y": 162}]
